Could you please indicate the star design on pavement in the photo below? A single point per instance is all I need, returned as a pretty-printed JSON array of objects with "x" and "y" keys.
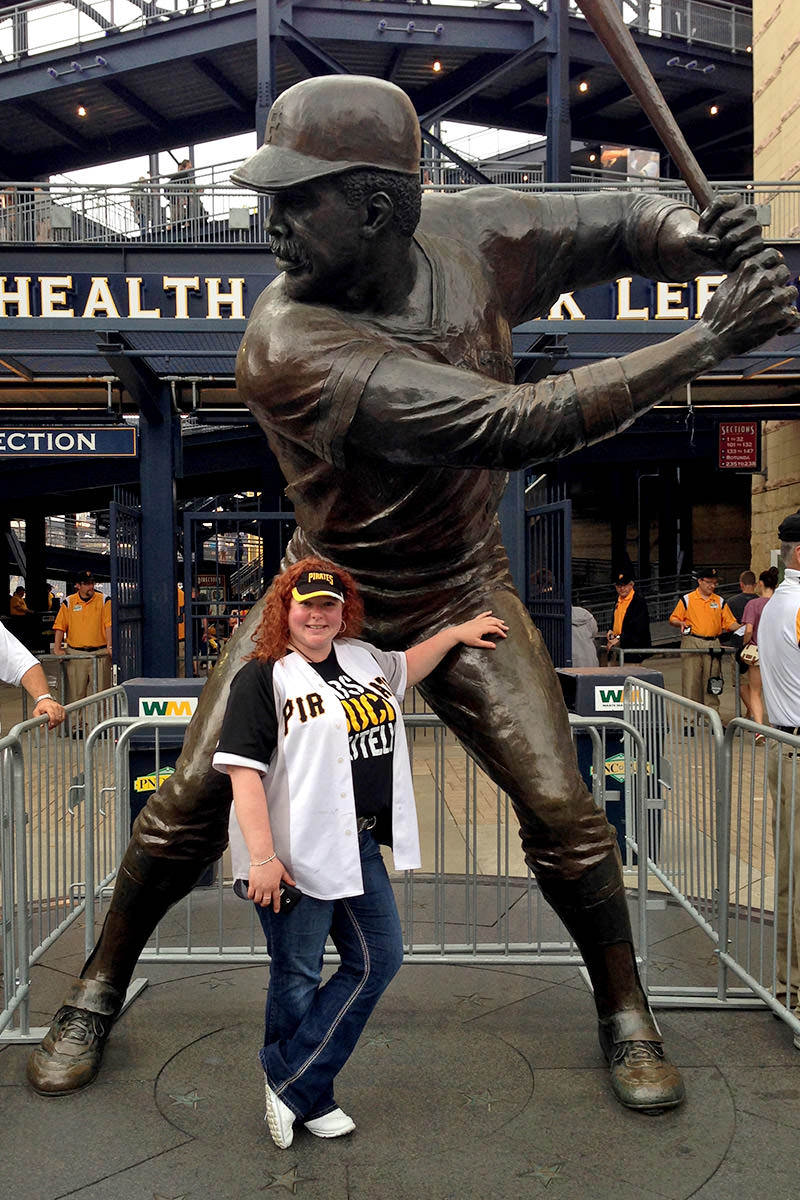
[
  {"x": 215, "y": 983},
  {"x": 485, "y": 1099},
  {"x": 288, "y": 1180},
  {"x": 375, "y": 1041},
  {"x": 544, "y": 1172},
  {"x": 474, "y": 999},
  {"x": 187, "y": 1099}
]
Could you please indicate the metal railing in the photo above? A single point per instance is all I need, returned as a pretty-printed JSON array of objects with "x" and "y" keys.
[
  {"x": 58, "y": 838},
  {"x": 726, "y": 849},
  {"x": 472, "y": 898},
  {"x": 43, "y": 26},
  {"x": 209, "y": 211},
  {"x": 703, "y": 815}
]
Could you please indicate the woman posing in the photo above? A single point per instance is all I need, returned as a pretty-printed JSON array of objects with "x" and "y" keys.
[{"x": 314, "y": 744}]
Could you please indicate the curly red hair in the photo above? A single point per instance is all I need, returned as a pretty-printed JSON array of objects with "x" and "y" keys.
[{"x": 271, "y": 637}]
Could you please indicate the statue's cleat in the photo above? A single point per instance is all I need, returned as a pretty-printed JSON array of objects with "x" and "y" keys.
[
  {"x": 69, "y": 1056},
  {"x": 642, "y": 1077}
]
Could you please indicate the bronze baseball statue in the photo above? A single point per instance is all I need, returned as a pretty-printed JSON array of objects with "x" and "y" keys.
[{"x": 379, "y": 364}]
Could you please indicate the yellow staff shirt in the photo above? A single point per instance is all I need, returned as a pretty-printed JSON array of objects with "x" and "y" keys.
[
  {"x": 84, "y": 621},
  {"x": 708, "y": 616}
]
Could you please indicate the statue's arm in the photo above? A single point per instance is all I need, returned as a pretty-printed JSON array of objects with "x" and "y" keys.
[
  {"x": 416, "y": 412},
  {"x": 537, "y": 246}
]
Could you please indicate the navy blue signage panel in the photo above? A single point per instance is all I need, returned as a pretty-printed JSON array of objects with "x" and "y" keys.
[{"x": 72, "y": 442}]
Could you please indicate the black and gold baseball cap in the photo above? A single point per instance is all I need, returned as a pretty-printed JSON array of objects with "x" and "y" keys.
[{"x": 312, "y": 584}]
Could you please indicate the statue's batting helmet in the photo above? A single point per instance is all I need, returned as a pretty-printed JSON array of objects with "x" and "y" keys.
[{"x": 331, "y": 124}]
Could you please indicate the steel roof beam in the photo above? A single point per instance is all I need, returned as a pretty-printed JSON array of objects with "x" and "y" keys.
[
  {"x": 308, "y": 53},
  {"x": 478, "y": 85},
  {"x": 137, "y": 105},
  {"x": 212, "y": 72},
  {"x": 54, "y": 123},
  {"x": 141, "y": 384}
]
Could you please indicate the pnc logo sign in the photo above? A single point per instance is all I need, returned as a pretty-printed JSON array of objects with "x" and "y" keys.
[{"x": 178, "y": 707}]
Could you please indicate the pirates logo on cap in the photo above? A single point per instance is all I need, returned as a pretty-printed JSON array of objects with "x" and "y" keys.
[{"x": 318, "y": 583}]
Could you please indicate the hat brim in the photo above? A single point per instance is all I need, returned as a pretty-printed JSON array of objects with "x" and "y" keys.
[
  {"x": 275, "y": 168},
  {"x": 301, "y": 596}
]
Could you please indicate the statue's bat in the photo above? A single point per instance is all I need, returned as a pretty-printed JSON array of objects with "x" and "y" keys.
[{"x": 607, "y": 23}]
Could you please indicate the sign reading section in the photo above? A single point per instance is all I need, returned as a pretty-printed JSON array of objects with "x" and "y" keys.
[
  {"x": 58, "y": 442},
  {"x": 739, "y": 446}
]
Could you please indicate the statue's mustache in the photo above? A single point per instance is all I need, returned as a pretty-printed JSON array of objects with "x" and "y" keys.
[{"x": 288, "y": 249}]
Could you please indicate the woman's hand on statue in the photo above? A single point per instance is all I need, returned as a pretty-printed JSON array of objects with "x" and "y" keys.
[{"x": 480, "y": 630}]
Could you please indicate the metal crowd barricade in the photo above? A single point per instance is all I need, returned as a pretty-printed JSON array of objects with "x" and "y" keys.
[
  {"x": 57, "y": 663},
  {"x": 679, "y": 652},
  {"x": 56, "y": 850},
  {"x": 759, "y": 935},
  {"x": 473, "y": 896},
  {"x": 720, "y": 825}
]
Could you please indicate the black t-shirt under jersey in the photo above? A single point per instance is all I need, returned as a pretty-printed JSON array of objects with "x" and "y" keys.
[{"x": 250, "y": 728}]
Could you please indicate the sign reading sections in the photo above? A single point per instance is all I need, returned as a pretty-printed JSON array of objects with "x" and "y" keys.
[
  {"x": 739, "y": 446},
  {"x": 58, "y": 442}
]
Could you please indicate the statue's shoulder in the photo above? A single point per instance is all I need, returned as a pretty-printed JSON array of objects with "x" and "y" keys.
[{"x": 478, "y": 217}]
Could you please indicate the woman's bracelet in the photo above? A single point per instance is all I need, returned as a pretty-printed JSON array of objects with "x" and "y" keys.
[{"x": 264, "y": 861}]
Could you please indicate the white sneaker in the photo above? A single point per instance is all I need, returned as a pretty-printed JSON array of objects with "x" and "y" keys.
[
  {"x": 279, "y": 1118},
  {"x": 333, "y": 1124}
]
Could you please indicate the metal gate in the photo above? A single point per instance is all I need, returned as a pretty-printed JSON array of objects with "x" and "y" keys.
[
  {"x": 229, "y": 559},
  {"x": 548, "y": 576},
  {"x": 126, "y": 585}
]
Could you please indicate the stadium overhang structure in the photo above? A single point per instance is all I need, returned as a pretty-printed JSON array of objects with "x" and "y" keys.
[{"x": 123, "y": 92}]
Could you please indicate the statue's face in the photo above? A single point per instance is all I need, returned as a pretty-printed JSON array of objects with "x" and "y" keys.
[{"x": 315, "y": 237}]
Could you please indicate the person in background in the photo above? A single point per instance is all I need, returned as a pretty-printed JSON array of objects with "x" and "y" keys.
[
  {"x": 17, "y": 606},
  {"x": 779, "y": 662},
  {"x": 314, "y": 745},
  {"x": 631, "y": 624},
  {"x": 84, "y": 623},
  {"x": 747, "y": 592},
  {"x": 584, "y": 631},
  {"x": 701, "y": 616},
  {"x": 20, "y": 668},
  {"x": 737, "y": 603},
  {"x": 767, "y": 582}
]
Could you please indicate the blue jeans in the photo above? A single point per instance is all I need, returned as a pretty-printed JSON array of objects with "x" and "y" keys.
[{"x": 311, "y": 1031}]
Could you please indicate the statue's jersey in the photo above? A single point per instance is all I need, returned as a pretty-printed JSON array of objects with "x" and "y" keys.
[{"x": 412, "y": 511}]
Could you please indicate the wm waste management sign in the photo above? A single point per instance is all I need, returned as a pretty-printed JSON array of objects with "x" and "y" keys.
[
  {"x": 180, "y": 708},
  {"x": 611, "y": 698},
  {"x": 73, "y": 442}
]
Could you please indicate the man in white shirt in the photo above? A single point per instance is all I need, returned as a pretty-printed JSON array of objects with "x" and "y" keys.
[
  {"x": 779, "y": 660},
  {"x": 19, "y": 667}
]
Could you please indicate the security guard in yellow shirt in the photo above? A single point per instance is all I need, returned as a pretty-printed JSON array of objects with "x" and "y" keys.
[
  {"x": 84, "y": 622},
  {"x": 702, "y": 616}
]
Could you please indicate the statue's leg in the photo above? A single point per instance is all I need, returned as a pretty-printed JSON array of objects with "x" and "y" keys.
[
  {"x": 506, "y": 707},
  {"x": 182, "y": 829}
]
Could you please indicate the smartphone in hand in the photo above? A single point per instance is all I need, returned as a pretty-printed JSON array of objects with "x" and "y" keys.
[{"x": 290, "y": 897}]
